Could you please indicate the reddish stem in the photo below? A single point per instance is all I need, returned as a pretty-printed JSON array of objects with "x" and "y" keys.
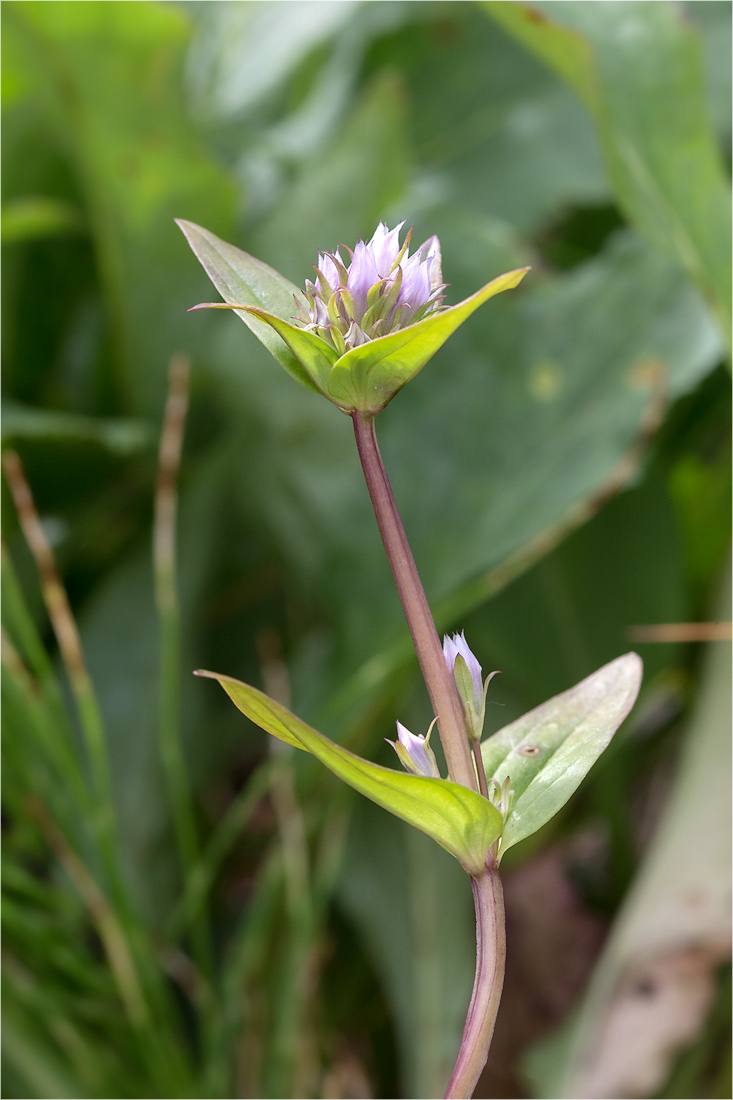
[
  {"x": 490, "y": 957},
  {"x": 438, "y": 679}
]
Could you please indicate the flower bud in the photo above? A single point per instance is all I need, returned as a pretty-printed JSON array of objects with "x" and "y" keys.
[
  {"x": 466, "y": 672},
  {"x": 414, "y": 752},
  {"x": 381, "y": 290}
]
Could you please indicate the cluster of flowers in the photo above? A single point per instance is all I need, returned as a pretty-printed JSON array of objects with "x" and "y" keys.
[{"x": 382, "y": 289}]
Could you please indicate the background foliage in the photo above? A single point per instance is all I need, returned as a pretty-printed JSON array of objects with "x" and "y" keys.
[{"x": 241, "y": 925}]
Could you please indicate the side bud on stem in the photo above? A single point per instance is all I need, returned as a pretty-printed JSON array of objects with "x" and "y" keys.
[
  {"x": 414, "y": 751},
  {"x": 466, "y": 672},
  {"x": 471, "y": 688}
]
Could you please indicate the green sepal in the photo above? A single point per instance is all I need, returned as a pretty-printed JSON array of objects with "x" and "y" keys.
[
  {"x": 314, "y": 355},
  {"x": 459, "y": 819},
  {"x": 548, "y": 752},
  {"x": 243, "y": 280},
  {"x": 367, "y": 377},
  {"x": 464, "y": 686}
]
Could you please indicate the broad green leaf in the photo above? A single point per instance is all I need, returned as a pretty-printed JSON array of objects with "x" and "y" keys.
[
  {"x": 369, "y": 376},
  {"x": 548, "y": 752},
  {"x": 460, "y": 820},
  {"x": 630, "y": 63},
  {"x": 243, "y": 280}
]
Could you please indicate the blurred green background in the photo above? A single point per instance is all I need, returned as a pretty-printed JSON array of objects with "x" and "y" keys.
[{"x": 240, "y": 925}]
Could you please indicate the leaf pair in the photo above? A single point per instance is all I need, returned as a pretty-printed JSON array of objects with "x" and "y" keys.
[
  {"x": 546, "y": 754},
  {"x": 364, "y": 378}
]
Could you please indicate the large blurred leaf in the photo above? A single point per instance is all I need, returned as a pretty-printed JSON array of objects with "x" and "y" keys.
[
  {"x": 341, "y": 192},
  {"x": 629, "y": 62},
  {"x": 139, "y": 161}
]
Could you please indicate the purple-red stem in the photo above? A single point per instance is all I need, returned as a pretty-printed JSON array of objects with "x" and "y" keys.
[
  {"x": 487, "y": 892},
  {"x": 487, "y": 986},
  {"x": 438, "y": 679}
]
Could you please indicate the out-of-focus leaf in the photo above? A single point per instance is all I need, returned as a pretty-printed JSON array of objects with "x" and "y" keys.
[
  {"x": 122, "y": 437},
  {"x": 24, "y": 219},
  {"x": 344, "y": 190},
  {"x": 249, "y": 51},
  {"x": 140, "y": 163},
  {"x": 547, "y": 753},
  {"x": 713, "y": 20},
  {"x": 459, "y": 819},
  {"x": 629, "y": 62},
  {"x": 649, "y": 995},
  {"x": 37, "y": 1068},
  {"x": 539, "y": 630}
]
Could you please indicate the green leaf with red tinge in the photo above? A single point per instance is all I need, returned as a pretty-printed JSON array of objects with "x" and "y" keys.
[
  {"x": 548, "y": 751},
  {"x": 243, "y": 280}
]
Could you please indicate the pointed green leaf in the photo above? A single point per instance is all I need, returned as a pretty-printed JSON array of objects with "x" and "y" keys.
[
  {"x": 548, "y": 752},
  {"x": 459, "y": 819},
  {"x": 243, "y": 280},
  {"x": 367, "y": 377},
  {"x": 314, "y": 354}
]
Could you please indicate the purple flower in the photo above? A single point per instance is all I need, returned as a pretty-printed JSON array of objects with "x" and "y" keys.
[
  {"x": 383, "y": 288},
  {"x": 415, "y": 753},
  {"x": 458, "y": 646}
]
